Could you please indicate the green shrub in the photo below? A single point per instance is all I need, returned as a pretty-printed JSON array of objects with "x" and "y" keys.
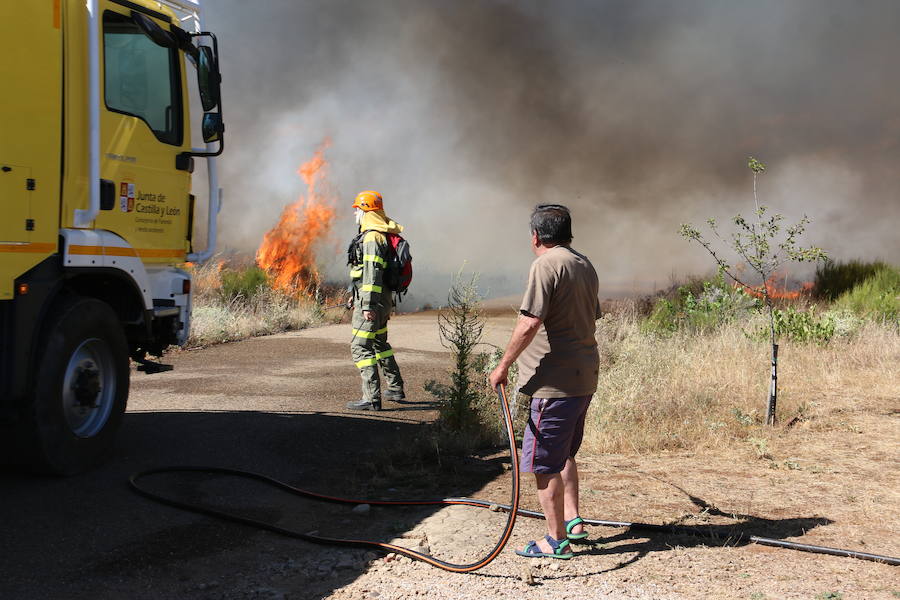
[
  {"x": 487, "y": 405},
  {"x": 477, "y": 422},
  {"x": 469, "y": 416},
  {"x": 834, "y": 278},
  {"x": 877, "y": 297},
  {"x": 242, "y": 284},
  {"x": 846, "y": 322},
  {"x": 803, "y": 326},
  {"x": 460, "y": 325},
  {"x": 715, "y": 303}
]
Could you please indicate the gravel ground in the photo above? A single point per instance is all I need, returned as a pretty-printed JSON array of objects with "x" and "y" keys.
[{"x": 276, "y": 405}]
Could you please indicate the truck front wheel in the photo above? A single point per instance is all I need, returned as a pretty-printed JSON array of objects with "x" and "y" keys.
[{"x": 81, "y": 387}]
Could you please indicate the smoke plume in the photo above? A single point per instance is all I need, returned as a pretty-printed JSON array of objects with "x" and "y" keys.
[{"x": 637, "y": 115}]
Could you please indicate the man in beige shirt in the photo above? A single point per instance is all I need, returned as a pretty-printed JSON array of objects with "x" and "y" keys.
[{"x": 558, "y": 367}]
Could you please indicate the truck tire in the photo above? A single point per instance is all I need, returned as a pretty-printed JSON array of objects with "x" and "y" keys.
[{"x": 80, "y": 388}]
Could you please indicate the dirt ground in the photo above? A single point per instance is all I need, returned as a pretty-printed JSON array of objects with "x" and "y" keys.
[{"x": 276, "y": 405}]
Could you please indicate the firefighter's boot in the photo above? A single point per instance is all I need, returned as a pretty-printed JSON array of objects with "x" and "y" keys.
[
  {"x": 364, "y": 404},
  {"x": 394, "y": 395}
]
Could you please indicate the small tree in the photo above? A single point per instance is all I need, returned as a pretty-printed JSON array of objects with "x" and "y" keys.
[
  {"x": 461, "y": 325},
  {"x": 765, "y": 248},
  {"x": 469, "y": 416}
]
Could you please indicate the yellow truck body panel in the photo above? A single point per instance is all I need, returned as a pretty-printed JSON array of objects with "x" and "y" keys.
[{"x": 30, "y": 136}]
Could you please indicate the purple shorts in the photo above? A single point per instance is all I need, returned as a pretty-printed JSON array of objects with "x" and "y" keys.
[{"x": 553, "y": 434}]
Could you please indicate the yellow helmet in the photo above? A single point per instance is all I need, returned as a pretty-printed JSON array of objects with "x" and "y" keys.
[{"x": 368, "y": 200}]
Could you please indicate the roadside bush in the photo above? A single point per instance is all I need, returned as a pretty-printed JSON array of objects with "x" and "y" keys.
[
  {"x": 846, "y": 322},
  {"x": 235, "y": 302},
  {"x": 800, "y": 326},
  {"x": 877, "y": 297},
  {"x": 267, "y": 312},
  {"x": 206, "y": 280},
  {"x": 834, "y": 278},
  {"x": 242, "y": 283},
  {"x": 701, "y": 310}
]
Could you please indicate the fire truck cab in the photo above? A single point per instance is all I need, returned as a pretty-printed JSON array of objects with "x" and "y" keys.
[{"x": 96, "y": 162}]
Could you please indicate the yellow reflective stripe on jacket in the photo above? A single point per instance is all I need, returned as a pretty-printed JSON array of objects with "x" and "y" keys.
[
  {"x": 385, "y": 354},
  {"x": 371, "y": 287},
  {"x": 375, "y": 259},
  {"x": 356, "y": 273},
  {"x": 369, "y": 335}
]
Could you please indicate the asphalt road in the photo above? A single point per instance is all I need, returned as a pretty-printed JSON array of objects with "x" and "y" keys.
[{"x": 273, "y": 405}]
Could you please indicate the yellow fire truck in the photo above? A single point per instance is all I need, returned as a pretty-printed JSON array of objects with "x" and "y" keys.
[{"x": 97, "y": 211}]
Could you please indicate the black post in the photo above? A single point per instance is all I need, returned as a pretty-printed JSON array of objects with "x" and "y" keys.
[{"x": 773, "y": 389}]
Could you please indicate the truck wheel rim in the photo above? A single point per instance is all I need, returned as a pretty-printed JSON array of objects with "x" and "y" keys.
[{"x": 89, "y": 388}]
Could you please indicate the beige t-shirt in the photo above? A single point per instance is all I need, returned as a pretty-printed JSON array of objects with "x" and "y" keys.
[{"x": 562, "y": 360}]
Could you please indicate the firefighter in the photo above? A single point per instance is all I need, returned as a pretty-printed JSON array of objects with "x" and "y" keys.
[{"x": 369, "y": 255}]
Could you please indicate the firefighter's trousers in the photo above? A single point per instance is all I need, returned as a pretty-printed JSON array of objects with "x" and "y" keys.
[{"x": 371, "y": 351}]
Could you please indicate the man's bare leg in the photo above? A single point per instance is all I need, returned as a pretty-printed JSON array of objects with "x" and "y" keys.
[
  {"x": 569, "y": 477},
  {"x": 551, "y": 494}
]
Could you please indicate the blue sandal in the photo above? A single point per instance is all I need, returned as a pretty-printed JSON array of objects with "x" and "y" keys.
[
  {"x": 570, "y": 525},
  {"x": 532, "y": 550}
]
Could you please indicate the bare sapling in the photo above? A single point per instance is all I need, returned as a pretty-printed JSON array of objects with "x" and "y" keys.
[{"x": 765, "y": 245}]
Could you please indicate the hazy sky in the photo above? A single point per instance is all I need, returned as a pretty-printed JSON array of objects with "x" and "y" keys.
[{"x": 638, "y": 115}]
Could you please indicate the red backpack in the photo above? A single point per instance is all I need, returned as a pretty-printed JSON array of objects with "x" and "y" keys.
[{"x": 399, "y": 271}]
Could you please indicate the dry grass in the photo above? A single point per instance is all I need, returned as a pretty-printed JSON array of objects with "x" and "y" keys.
[
  {"x": 267, "y": 312},
  {"x": 691, "y": 391},
  {"x": 216, "y": 319}
]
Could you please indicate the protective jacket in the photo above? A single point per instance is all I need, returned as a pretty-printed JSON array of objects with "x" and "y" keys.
[
  {"x": 370, "y": 291},
  {"x": 370, "y": 348}
]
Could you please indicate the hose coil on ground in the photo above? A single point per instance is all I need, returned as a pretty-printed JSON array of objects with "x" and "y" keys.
[{"x": 512, "y": 509}]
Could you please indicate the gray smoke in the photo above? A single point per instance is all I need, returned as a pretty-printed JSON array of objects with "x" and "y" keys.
[{"x": 638, "y": 115}]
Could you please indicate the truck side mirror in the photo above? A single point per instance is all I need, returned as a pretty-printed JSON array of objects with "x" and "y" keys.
[
  {"x": 212, "y": 127},
  {"x": 209, "y": 82},
  {"x": 208, "y": 78}
]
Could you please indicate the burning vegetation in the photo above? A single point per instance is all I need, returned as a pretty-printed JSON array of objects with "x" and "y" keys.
[
  {"x": 287, "y": 253},
  {"x": 777, "y": 287}
]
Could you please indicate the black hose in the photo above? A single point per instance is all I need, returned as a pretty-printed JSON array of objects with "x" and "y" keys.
[
  {"x": 511, "y": 509},
  {"x": 889, "y": 560},
  {"x": 682, "y": 530}
]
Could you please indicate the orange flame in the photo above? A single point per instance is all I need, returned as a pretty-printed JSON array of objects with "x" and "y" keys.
[
  {"x": 777, "y": 288},
  {"x": 287, "y": 252}
]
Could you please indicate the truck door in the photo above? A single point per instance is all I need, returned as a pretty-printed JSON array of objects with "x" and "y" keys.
[
  {"x": 143, "y": 130},
  {"x": 16, "y": 184}
]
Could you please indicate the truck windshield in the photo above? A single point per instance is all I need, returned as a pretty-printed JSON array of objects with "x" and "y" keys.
[{"x": 142, "y": 78}]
